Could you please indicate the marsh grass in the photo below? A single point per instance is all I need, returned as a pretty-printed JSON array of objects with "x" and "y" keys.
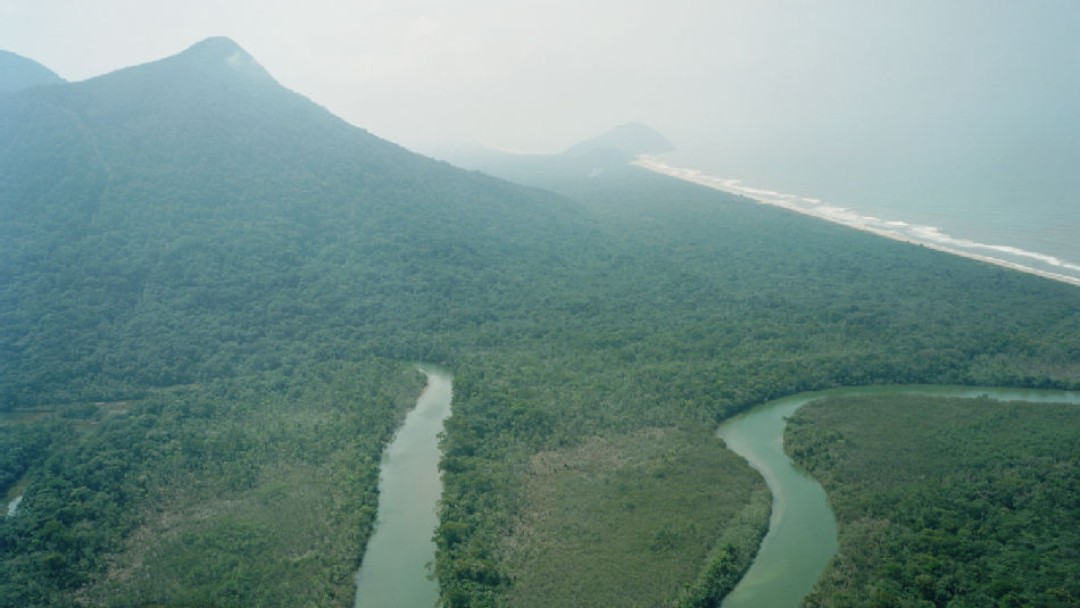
[{"x": 629, "y": 520}]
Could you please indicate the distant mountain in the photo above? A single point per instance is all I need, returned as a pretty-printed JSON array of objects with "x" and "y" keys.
[
  {"x": 623, "y": 142},
  {"x": 610, "y": 151},
  {"x": 18, "y": 73}
]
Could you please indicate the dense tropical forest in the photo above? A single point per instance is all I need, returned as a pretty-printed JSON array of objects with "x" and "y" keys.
[
  {"x": 727, "y": 304},
  {"x": 945, "y": 502},
  {"x": 214, "y": 292}
]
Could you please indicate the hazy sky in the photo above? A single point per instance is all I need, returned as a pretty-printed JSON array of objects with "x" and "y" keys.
[{"x": 795, "y": 90}]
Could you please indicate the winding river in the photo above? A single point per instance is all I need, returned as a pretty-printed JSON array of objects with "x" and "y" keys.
[
  {"x": 396, "y": 566},
  {"x": 802, "y": 530}
]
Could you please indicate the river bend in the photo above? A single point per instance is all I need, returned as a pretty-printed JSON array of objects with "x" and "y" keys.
[{"x": 802, "y": 530}]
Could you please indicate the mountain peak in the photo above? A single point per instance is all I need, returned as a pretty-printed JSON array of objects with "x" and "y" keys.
[
  {"x": 213, "y": 77},
  {"x": 221, "y": 53},
  {"x": 624, "y": 141},
  {"x": 218, "y": 42},
  {"x": 215, "y": 46},
  {"x": 214, "y": 66}
]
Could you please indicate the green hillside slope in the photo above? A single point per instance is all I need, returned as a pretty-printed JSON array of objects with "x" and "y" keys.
[
  {"x": 193, "y": 206},
  {"x": 18, "y": 73},
  {"x": 216, "y": 289}
]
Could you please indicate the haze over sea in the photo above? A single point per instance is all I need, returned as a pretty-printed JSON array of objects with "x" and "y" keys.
[{"x": 1030, "y": 222}]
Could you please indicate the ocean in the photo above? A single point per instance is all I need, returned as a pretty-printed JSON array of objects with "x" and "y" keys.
[{"x": 1032, "y": 230}]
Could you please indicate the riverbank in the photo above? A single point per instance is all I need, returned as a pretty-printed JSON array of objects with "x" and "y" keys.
[
  {"x": 802, "y": 537},
  {"x": 802, "y": 532},
  {"x": 1056, "y": 269},
  {"x": 945, "y": 501},
  {"x": 396, "y": 570}
]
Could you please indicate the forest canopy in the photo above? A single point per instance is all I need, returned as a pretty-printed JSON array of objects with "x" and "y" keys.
[{"x": 213, "y": 294}]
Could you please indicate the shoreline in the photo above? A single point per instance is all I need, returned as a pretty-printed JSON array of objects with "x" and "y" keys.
[{"x": 890, "y": 229}]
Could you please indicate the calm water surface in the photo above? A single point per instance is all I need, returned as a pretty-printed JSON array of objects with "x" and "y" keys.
[
  {"x": 802, "y": 530},
  {"x": 396, "y": 568}
]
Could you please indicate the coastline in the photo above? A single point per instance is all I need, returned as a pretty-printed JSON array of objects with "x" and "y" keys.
[{"x": 926, "y": 236}]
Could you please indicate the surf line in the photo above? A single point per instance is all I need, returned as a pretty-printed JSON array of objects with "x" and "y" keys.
[{"x": 927, "y": 236}]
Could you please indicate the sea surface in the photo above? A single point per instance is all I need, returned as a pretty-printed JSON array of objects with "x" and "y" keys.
[{"x": 1029, "y": 231}]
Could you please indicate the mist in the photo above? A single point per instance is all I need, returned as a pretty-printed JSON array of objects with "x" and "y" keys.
[{"x": 921, "y": 103}]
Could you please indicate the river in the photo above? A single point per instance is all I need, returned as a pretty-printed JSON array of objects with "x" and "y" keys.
[
  {"x": 396, "y": 567},
  {"x": 802, "y": 530}
]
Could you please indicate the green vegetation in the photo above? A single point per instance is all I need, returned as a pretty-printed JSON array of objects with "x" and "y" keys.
[
  {"x": 623, "y": 522},
  {"x": 699, "y": 307},
  {"x": 946, "y": 502},
  {"x": 243, "y": 281},
  {"x": 228, "y": 494}
]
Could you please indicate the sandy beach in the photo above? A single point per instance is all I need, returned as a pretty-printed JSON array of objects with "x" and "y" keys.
[{"x": 926, "y": 236}]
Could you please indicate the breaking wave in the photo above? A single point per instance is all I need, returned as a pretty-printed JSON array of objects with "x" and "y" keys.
[{"x": 1048, "y": 266}]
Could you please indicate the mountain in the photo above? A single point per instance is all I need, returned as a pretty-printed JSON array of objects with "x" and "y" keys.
[
  {"x": 18, "y": 73},
  {"x": 197, "y": 187},
  {"x": 213, "y": 294},
  {"x": 623, "y": 142},
  {"x": 611, "y": 150}
]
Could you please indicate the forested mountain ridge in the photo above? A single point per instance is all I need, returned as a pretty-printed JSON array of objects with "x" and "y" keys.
[
  {"x": 18, "y": 73},
  {"x": 216, "y": 288},
  {"x": 196, "y": 189}
]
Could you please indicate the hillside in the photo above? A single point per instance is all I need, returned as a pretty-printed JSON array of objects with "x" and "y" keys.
[
  {"x": 194, "y": 201},
  {"x": 18, "y": 73},
  {"x": 201, "y": 275},
  {"x": 213, "y": 293}
]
